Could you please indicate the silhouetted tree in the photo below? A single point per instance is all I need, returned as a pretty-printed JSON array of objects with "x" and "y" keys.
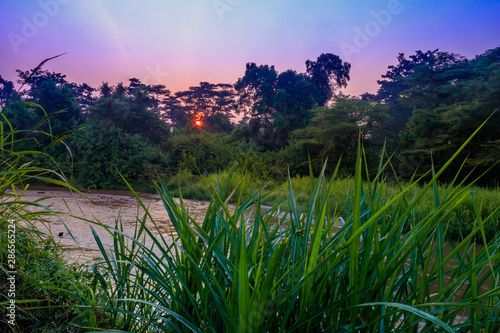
[
  {"x": 130, "y": 113},
  {"x": 7, "y": 91},
  {"x": 402, "y": 82},
  {"x": 213, "y": 104},
  {"x": 451, "y": 100},
  {"x": 279, "y": 104},
  {"x": 328, "y": 73}
]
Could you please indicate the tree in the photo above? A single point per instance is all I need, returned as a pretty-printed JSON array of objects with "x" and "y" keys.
[
  {"x": 56, "y": 98},
  {"x": 327, "y": 74},
  {"x": 36, "y": 77},
  {"x": 123, "y": 133},
  {"x": 55, "y": 95},
  {"x": 157, "y": 94},
  {"x": 461, "y": 96},
  {"x": 334, "y": 132},
  {"x": 177, "y": 114},
  {"x": 256, "y": 90},
  {"x": 278, "y": 103},
  {"x": 130, "y": 113},
  {"x": 293, "y": 99},
  {"x": 105, "y": 90},
  {"x": 83, "y": 96},
  {"x": 103, "y": 149},
  {"x": 411, "y": 83},
  {"x": 7, "y": 92},
  {"x": 212, "y": 104}
]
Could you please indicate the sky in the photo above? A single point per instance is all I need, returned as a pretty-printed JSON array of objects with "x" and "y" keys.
[{"x": 180, "y": 43}]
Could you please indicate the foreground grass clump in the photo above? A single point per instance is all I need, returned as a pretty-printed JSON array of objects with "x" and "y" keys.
[
  {"x": 44, "y": 284},
  {"x": 47, "y": 288},
  {"x": 257, "y": 270}
]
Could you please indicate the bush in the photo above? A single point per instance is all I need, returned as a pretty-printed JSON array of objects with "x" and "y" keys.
[
  {"x": 100, "y": 153},
  {"x": 208, "y": 153}
]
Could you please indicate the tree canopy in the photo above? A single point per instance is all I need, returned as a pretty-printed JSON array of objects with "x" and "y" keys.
[
  {"x": 427, "y": 105},
  {"x": 279, "y": 103}
]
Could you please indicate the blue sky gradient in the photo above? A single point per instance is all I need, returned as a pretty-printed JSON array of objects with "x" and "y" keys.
[{"x": 182, "y": 42}]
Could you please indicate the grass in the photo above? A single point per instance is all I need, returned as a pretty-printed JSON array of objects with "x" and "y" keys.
[
  {"x": 252, "y": 270},
  {"x": 385, "y": 270},
  {"x": 459, "y": 222},
  {"x": 45, "y": 284}
]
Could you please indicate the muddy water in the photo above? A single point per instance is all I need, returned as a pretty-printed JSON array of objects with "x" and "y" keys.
[
  {"x": 106, "y": 207},
  {"x": 454, "y": 262}
]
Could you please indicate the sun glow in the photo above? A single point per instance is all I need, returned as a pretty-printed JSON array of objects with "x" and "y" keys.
[{"x": 198, "y": 123}]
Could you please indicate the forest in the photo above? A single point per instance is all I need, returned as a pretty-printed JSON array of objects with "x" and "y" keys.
[
  {"x": 268, "y": 123},
  {"x": 323, "y": 212}
]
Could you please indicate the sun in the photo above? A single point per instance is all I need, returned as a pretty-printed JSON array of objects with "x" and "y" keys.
[{"x": 198, "y": 123}]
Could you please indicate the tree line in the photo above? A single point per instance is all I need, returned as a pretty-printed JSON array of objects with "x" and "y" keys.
[{"x": 426, "y": 106}]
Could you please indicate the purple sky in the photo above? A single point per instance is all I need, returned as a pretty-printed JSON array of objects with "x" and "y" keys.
[{"x": 182, "y": 42}]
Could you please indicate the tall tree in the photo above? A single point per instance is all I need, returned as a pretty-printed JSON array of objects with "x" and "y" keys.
[
  {"x": 327, "y": 74},
  {"x": 278, "y": 103},
  {"x": 333, "y": 133},
  {"x": 293, "y": 99},
  {"x": 84, "y": 95},
  {"x": 130, "y": 113},
  {"x": 55, "y": 94},
  {"x": 256, "y": 90},
  {"x": 412, "y": 77},
  {"x": 453, "y": 101}
]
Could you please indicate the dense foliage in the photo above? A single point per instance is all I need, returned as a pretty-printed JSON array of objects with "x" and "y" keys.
[{"x": 427, "y": 105}]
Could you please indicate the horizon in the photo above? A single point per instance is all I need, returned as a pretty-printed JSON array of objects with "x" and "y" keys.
[{"x": 180, "y": 44}]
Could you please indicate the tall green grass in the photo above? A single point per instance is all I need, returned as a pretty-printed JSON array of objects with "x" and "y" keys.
[
  {"x": 259, "y": 270},
  {"x": 459, "y": 222},
  {"x": 44, "y": 281}
]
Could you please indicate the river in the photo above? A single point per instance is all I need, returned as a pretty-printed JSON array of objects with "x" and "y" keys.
[{"x": 104, "y": 206}]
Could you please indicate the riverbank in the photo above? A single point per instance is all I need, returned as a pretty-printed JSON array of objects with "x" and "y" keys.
[{"x": 76, "y": 214}]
